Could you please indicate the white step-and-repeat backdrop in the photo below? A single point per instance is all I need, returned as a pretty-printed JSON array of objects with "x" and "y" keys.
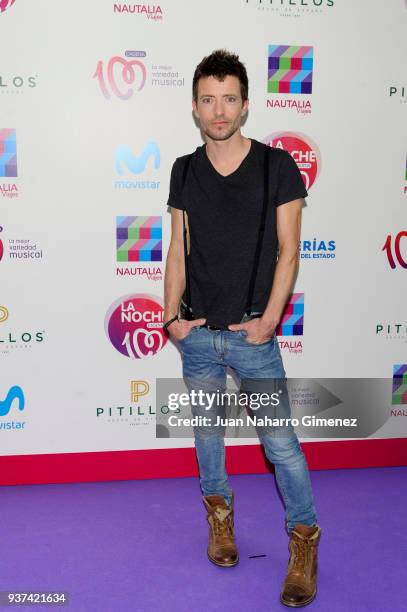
[{"x": 95, "y": 105}]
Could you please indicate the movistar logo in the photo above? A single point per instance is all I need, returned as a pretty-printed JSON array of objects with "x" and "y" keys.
[
  {"x": 136, "y": 163},
  {"x": 15, "y": 393}
]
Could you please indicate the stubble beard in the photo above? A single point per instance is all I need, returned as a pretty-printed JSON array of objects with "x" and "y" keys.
[{"x": 214, "y": 135}]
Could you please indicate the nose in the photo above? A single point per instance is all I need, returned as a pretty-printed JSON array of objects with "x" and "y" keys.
[{"x": 218, "y": 108}]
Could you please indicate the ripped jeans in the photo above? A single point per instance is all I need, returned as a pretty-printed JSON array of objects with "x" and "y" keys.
[{"x": 206, "y": 354}]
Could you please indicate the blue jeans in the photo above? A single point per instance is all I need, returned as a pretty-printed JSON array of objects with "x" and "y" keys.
[{"x": 206, "y": 354}]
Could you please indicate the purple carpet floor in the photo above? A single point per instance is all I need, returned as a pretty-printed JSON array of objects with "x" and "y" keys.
[{"x": 141, "y": 545}]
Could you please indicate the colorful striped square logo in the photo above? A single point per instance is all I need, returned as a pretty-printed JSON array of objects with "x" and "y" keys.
[
  {"x": 8, "y": 152},
  {"x": 292, "y": 321},
  {"x": 290, "y": 69},
  {"x": 139, "y": 239},
  {"x": 399, "y": 395}
]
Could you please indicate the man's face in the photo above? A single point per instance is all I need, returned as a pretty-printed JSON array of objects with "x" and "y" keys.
[{"x": 219, "y": 106}]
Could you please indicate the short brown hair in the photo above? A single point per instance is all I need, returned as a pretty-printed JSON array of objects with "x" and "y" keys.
[{"x": 220, "y": 64}]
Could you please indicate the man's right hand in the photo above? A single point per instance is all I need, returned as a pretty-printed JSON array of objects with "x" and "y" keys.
[{"x": 178, "y": 330}]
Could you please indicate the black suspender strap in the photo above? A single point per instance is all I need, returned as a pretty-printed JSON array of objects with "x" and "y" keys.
[
  {"x": 188, "y": 311},
  {"x": 262, "y": 226}
]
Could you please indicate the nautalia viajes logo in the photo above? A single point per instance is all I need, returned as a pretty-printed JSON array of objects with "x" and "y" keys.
[
  {"x": 149, "y": 11},
  {"x": 399, "y": 392},
  {"x": 290, "y": 74},
  {"x": 8, "y": 162},
  {"x": 139, "y": 244},
  {"x": 292, "y": 324}
]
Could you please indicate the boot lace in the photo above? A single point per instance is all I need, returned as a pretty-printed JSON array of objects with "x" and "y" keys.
[
  {"x": 223, "y": 522},
  {"x": 302, "y": 550}
]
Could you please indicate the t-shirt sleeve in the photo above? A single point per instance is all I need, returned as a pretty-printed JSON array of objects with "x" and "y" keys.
[
  {"x": 290, "y": 182},
  {"x": 175, "y": 195}
]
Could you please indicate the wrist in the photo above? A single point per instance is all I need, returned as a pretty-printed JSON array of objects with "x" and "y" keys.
[
  {"x": 270, "y": 319},
  {"x": 170, "y": 321},
  {"x": 170, "y": 312}
]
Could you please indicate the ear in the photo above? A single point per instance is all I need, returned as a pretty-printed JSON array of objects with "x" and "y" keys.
[
  {"x": 245, "y": 107},
  {"x": 195, "y": 109}
]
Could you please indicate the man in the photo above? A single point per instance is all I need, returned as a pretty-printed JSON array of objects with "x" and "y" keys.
[{"x": 240, "y": 202}]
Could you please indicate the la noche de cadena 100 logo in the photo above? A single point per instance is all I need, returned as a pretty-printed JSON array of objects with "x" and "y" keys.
[
  {"x": 133, "y": 325},
  {"x": 302, "y": 149}
]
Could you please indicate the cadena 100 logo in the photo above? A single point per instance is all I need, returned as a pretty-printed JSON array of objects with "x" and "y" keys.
[
  {"x": 121, "y": 71},
  {"x": 133, "y": 325},
  {"x": 302, "y": 149},
  {"x": 392, "y": 247},
  {"x": 5, "y": 4}
]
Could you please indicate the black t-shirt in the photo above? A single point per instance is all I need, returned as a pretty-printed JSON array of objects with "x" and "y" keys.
[{"x": 224, "y": 216}]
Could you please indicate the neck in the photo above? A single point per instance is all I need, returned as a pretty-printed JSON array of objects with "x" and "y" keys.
[{"x": 222, "y": 150}]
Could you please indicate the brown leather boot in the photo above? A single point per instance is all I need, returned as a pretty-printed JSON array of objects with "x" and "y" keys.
[
  {"x": 300, "y": 585},
  {"x": 222, "y": 546}
]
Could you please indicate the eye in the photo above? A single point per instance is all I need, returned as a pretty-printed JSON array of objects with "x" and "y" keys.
[
  {"x": 231, "y": 99},
  {"x": 206, "y": 100}
]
